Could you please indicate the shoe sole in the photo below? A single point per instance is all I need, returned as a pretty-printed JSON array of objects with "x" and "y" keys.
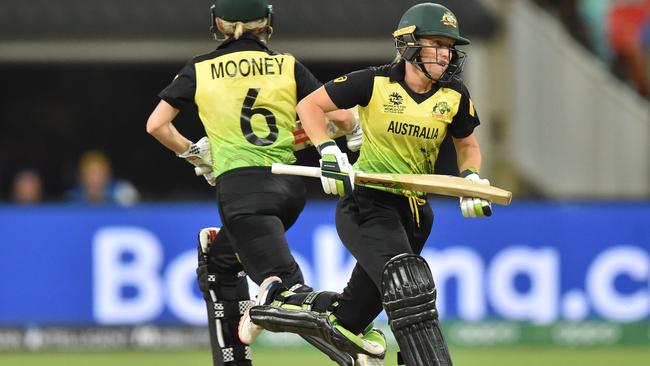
[{"x": 245, "y": 320}]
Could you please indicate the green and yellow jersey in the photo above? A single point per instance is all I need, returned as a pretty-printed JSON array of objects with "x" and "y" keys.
[
  {"x": 402, "y": 130},
  {"x": 246, "y": 97}
]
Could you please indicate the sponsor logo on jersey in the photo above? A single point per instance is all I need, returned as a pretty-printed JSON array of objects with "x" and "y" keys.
[
  {"x": 395, "y": 104},
  {"x": 441, "y": 111},
  {"x": 341, "y": 79}
]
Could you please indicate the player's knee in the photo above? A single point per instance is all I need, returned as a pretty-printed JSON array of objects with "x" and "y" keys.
[
  {"x": 408, "y": 290},
  {"x": 409, "y": 298}
]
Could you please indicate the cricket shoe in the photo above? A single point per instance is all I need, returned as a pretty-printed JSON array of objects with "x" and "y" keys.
[
  {"x": 247, "y": 330},
  {"x": 375, "y": 339}
]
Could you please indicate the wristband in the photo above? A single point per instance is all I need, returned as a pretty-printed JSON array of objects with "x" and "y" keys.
[
  {"x": 469, "y": 171},
  {"x": 324, "y": 145}
]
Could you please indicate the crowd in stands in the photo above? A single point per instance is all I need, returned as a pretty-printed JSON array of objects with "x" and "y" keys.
[
  {"x": 95, "y": 184},
  {"x": 617, "y": 31}
]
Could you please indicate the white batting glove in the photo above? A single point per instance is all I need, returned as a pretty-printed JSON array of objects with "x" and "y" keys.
[
  {"x": 207, "y": 173},
  {"x": 337, "y": 175},
  {"x": 199, "y": 155},
  {"x": 211, "y": 178},
  {"x": 474, "y": 206}
]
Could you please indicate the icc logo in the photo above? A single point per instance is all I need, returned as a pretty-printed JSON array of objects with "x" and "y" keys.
[{"x": 395, "y": 99}]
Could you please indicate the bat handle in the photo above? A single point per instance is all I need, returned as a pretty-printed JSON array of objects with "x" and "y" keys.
[{"x": 305, "y": 171}]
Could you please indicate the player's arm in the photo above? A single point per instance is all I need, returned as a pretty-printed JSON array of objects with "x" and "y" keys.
[
  {"x": 343, "y": 119},
  {"x": 312, "y": 111},
  {"x": 342, "y": 93},
  {"x": 468, "y": 153},
  {"x": 160, "y": 126},
  {"x": 179, "y": 93},
  {"x": 469, "y": 162}
]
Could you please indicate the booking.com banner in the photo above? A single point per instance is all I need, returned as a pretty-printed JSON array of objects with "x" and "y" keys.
[{"x": 531, "y": 262}]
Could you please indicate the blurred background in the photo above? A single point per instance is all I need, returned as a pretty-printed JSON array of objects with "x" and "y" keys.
[{"x": 98, "y": 221}]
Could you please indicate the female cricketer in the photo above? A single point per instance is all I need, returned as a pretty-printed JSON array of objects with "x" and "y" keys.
[
  {"x": 406, "y": 108},
  {"x": 246, "y": 95}
]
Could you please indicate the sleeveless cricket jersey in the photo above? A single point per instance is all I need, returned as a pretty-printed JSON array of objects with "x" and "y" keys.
[
  {"x": 402, "y": 130},
  {"x": 246, "y": 97}
]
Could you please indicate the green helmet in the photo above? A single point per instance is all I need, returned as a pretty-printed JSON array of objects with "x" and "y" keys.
[
  {"x": 241, "y": 10},
  {"x": 430, "y": 19}
]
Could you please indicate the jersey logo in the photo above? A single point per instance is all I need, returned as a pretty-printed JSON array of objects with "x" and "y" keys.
[
  {"x": 395, "y": 99},
  {"x": 395, "y": 103},
  {"x": 341, "y": 79},
  {"x": 441, "y": 110},
  {"x": 449, "y": 20}
]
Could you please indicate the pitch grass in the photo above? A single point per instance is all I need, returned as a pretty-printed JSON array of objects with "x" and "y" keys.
[{"x": 518, "y": 356}]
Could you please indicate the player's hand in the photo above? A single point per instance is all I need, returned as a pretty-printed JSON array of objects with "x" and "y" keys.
[
  {"x": 199, "y": 155},
  {"x": 337, "y": 175},
  {"x": 354, "y": 137},
  {"x": 474, "y": 206}
]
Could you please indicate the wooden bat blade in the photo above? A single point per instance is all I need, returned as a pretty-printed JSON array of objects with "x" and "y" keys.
[
  {"x": 430, "y": 183},
  {"x": 438, "y": 184}
]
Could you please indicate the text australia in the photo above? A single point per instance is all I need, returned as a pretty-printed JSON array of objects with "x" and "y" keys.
[{"x": 409, "y": 129}]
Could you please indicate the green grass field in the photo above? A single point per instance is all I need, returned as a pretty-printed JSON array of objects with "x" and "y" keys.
[{"x": 535, "y": 356}]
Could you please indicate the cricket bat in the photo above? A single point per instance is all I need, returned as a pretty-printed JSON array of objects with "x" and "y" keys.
[{"x": 446, "y": 185}]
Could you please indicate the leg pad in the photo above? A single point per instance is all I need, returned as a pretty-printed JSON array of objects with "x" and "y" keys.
[{"x": 409, "y": 298}]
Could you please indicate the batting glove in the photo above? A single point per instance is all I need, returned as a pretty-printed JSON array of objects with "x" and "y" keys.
[
  {"x": 337, "y": 175},
  {"x": 474, "y": 206},
  {"x": 354, "y": 137},
  {"x": 204, "y": 273},
  {"x": 199, "y": 155}
]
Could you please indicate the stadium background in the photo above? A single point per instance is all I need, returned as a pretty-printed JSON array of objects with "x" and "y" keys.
[{"x": 562, "y": 276}]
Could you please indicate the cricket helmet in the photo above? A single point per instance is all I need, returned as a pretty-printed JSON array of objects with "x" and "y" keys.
[
  {"x": 429, "y": 19},
  {"x": 241, "y": 10}
]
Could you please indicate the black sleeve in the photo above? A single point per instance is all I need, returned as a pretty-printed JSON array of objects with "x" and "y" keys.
[
  {"x": 180, "y": 92},
  {"x": 306, "y": 82},
  {"x": 466, "y": 119},
  {"x": 352, "y": 89}
]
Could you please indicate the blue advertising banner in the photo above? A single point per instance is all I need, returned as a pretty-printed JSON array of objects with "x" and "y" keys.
[{"x": 533, "y": 262}]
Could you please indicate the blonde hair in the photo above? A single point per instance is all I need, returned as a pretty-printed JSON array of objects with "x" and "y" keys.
[
  {"x": 94, "y": 157},
  {"x": 236, "y": 29}
]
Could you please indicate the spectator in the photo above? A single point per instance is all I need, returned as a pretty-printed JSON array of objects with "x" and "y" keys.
[
  {"x": 626, "y": 26},
  {"x": 27, "y": 187},
  {"x": 594, "y": 16},
  {"x": 96, "y": 184}
]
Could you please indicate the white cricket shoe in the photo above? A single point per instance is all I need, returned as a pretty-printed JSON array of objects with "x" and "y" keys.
[{"x": 248, "y": 330}]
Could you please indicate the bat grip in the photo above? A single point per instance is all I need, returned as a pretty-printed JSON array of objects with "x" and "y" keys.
[{"x": 305, "y": 171}]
